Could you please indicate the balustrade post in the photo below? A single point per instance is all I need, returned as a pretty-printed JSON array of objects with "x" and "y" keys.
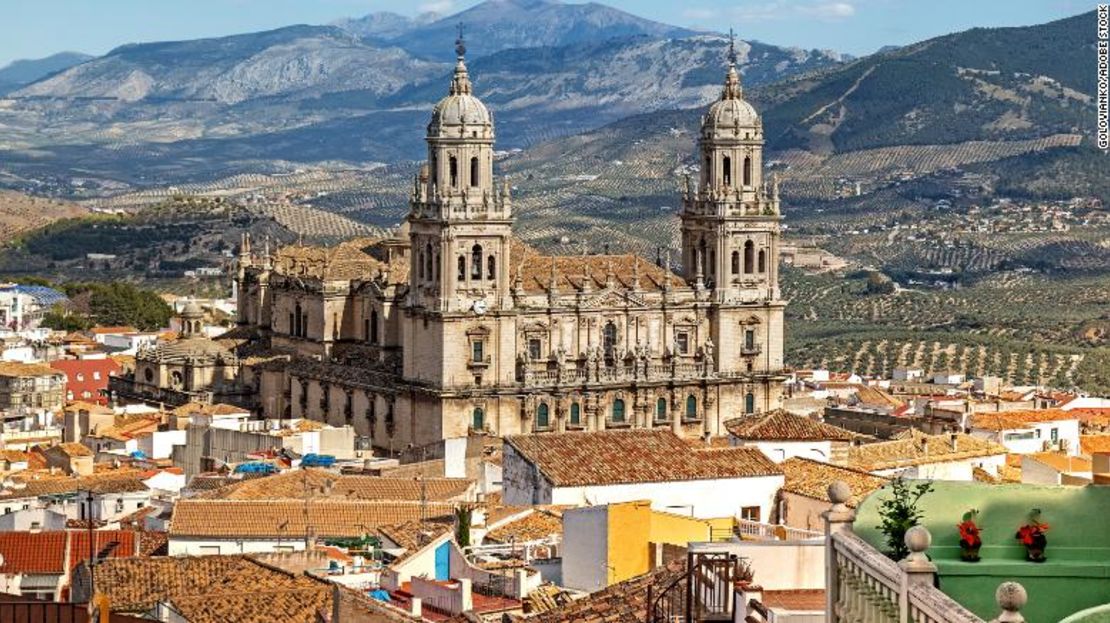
[
  {"x": 1011, "y": 598},
  {"x": 838, "y": 519},
  {"x": 916, "y": 568}
]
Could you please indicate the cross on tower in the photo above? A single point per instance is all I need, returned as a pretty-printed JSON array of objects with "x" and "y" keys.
[{"x": 731, "y": 47}]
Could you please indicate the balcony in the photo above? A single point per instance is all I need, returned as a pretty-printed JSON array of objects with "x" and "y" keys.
[{"x": 751, "y": 350}]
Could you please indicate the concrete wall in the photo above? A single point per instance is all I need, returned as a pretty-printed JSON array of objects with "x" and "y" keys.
[
  {"x": 585, "y": 548},
  {"x": 785, "y": 565},
  {"x": 803, "y": 512},
  {"x": 204, "y": 546}
]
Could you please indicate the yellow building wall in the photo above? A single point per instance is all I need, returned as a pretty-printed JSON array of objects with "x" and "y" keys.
[
  {"x": 633, "y": 527},
  {"x": 629, "y": 526}
]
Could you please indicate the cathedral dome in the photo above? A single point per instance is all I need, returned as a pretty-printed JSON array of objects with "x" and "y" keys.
[
  {"x": 732, "y": 110},
  {"x": 460, "y": 113}
]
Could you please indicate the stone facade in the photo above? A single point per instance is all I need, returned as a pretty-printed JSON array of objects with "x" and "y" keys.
[{"x": 455, "y": 327}]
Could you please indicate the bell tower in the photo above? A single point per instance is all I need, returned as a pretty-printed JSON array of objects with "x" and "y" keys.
[
  {"x": 460, "y": 221},
  {"x": 730, "y": 219}
]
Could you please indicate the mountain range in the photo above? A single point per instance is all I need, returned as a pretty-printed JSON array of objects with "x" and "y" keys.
[{"x": 23, "y": 72}]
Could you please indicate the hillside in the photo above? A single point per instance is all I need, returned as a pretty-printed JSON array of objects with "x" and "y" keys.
[
  {"x": 20, "y": 213},
  {"x": 19, "y": 73},
  {"x": 506, "y": 24}
]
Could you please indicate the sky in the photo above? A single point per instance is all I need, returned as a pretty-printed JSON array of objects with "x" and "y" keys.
[{"x": 37, "y": 28}]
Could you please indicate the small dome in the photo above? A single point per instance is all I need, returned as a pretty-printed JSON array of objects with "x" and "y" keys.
[
  {"x": 460, "y": 113},
  {"x": 191, "y": 310},
  {"x": 732, "y": 110}
]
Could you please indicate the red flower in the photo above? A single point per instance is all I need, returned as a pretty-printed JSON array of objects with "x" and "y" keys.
[
  {"x": 1027, "y": 533},
  {"x": 969, "y": 533}
]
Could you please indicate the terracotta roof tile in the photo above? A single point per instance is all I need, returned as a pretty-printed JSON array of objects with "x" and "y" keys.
[
  {"x": 811, "y": 479},
  {"x": 780, "y": 425},
  {"x": 137, "y": 584},
  {"x": 538, "y": 524},
  {"x": 45, "y": 552},
  {"x": 629, "y": 456},
  {"x": 533, "y": 271},
  {"x": 621, "y": 602},
  {"x": 1060, "y": 462},
  {"x": 17, "y": 369},
  {"x": 1008, "y": 420},
  {"x": 797, "y": 600},
  {"x": 100, "y": 483},
  {"x": 287, "y": 518},
  {"x": 316, "y": 483},
  {"x": 1089, "y": 444},
  {"x": 918, "y": 448}
]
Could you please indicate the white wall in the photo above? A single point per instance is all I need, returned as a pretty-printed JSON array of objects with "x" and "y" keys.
[
  {"x": 785, "y": 565},
  {"x": 201, "y": 546},
  {"x": 1034, "y": 472},
  {"x": 1041, "y": 432},
  {"x": 585, "y": 548},
  {"x": 159, "y": 444},
  {"x": 708, "y": 498},
  {"x": 948, "y": 470},
  {"x": 779, "y": 451},
  {"x": 24, "y": 520},
  {"x": 166, "y": 481}
]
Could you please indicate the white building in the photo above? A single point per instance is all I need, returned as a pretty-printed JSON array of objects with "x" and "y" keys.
[
  {"x": 781, "y": 435},
  {"x": 933, "y": 457},
  {"x": 908, "y": 374},
  {"x": 1026, "y": 432},
  {"x": 603, "y": 467}
]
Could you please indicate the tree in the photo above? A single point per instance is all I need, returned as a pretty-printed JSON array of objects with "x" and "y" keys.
[
  {"x": 61, "y": 319},
  {"x": 899, "y": 513},
  {"x": 463, "y": 517}
]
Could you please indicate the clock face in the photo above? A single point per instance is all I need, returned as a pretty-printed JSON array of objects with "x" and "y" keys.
[{"x": 480, "y": 307}]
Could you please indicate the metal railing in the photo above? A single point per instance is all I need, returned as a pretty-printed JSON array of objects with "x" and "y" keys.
[{"x": 704, "y": 592}]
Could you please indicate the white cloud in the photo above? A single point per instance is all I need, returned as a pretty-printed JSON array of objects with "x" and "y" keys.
[
  {"x": 437, "y": 6},
  {"x": 700, "y": 14},
  {"x": 832, "y": 10},
  {"x": 771, "y": 10}
]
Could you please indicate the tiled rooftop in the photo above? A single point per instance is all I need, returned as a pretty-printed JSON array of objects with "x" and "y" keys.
[
  {"x": 624, "y": 601},
  {"x": 1009, "y": 420},
  {"x": 812, "y": 600},
  {"x": 316, "y": 483},
  {"x": 630, "y": 456},
  {"x": 918, "y": 448},
  {"x": 287, "y": 518},
  {"x": 59, "y": 485},
  {"x": 538, "y": 524},
  {"x": 136, "y": 584},
  {"x": 46, "y": 552},
  {"x": 18, "y": 369},
  {"x": 534, "y": 271},
  {"x": 811, "y": 479},
  {"x": 1089, "y": 444},
  {"x": 1061, "y": 462},
  {"x": 780, "y": 425}
]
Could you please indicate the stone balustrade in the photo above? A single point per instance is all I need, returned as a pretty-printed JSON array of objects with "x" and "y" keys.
[{"x": 865, "y": 586}]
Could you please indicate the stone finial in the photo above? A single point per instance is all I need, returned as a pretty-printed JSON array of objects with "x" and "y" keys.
[
  {"x": 1011, "y": 598},
  {"x": 839, "y": 494},
  {"x": 917, "y": 564}
]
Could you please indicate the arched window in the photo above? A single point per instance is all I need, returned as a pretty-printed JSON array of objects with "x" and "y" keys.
[
  {"x": 618, "y": 410},
  {"x": 749, "y": 403},
  {"x": 543, "y": 416},
  {"x": 727, "y": 166},
  {"x": 453, "y": 171},
  {"x": 491, "y": 267},
  {"x": 691, "y": 408},
  {"x": 434, "y": 169},
  {"x": 762, "y": 261},
  {"x": 435, "y": 265},
  {"x": 292, "y": 324},
  {"x": 749, "y": 256},
  {"x": 374, "y": 327},
  {"x": 575, "y": 413},
  {"x": 747, "y": 171},
  {"x": 609, "y": 339},
  {"x": 736, "y": 262},
  {"x": 420, "y": 266},
  {"x": 299, "y": 329},
  {"x": 708, "y": 166},
  {"x": 462, "y": 268},
  {"x": 474, "y": 171},
  {"x": 661, "y": 409},
  {"x": 478, "y": 420},
  {"x": 428, "y": 261},
  {"x": 476, "y": 262}
]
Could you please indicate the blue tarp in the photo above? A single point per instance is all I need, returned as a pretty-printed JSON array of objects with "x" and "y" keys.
[{"x": 380, "y": 595}]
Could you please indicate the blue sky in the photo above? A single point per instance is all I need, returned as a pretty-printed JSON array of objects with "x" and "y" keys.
[{"x": 36, "y": 28}]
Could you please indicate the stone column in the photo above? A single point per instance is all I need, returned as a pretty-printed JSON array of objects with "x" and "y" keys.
[
  {"x": 838, "y": 519},
  {"x": 917, "y": 569}
]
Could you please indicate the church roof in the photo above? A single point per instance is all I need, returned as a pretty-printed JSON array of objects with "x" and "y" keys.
[
  {"x": 182, "y": 350},
  {"x": 348, "y": 260},
  {"x": 533, "y": 271},
  {"x": 460, "y": 109}
]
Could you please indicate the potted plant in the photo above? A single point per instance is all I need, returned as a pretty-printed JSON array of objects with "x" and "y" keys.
[
  {"x": 1032, "y": 536},
  {"x": 970, "y": 541},
  {"x": 899, "y": 513}
]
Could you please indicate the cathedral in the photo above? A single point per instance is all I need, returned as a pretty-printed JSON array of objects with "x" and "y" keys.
[{"x": 455, "y": 327}]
